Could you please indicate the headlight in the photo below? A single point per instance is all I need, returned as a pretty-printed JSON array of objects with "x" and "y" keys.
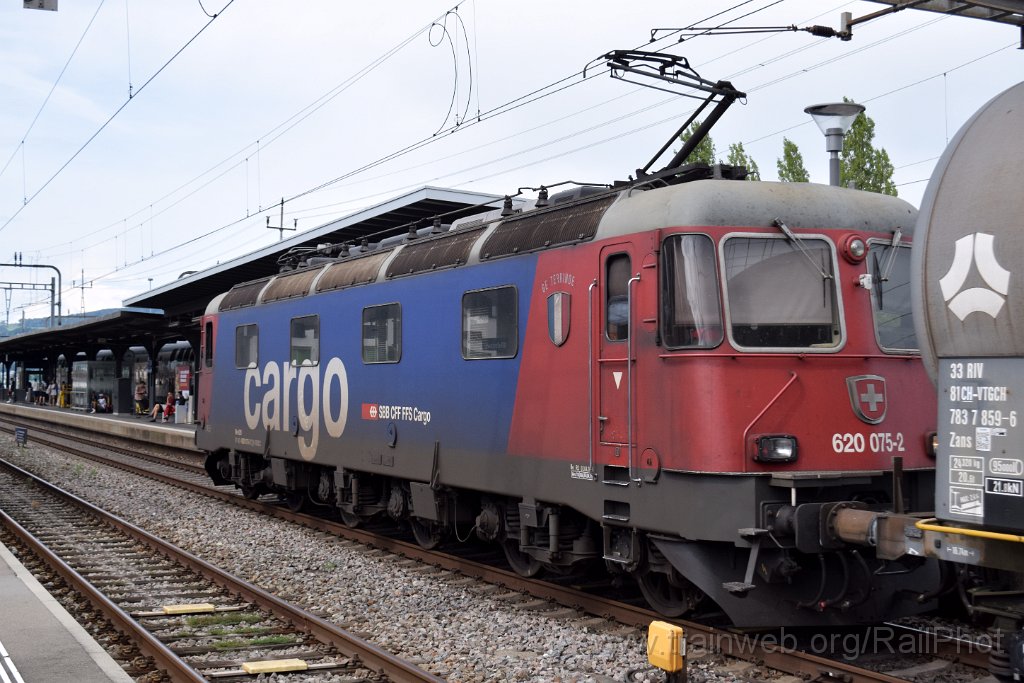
[
  {"x": 775, "y": 448},
  {"x": 853, "y": 249}
]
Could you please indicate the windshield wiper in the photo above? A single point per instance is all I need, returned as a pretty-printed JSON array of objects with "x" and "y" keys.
[
  {"x": 891, "y": 261},
  {"x": 882, "y": 273},
  {"x": 825, "y": 276},
  {"x": 800, "y": 245}
]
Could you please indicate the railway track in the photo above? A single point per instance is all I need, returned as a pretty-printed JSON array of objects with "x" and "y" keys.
[
  {"x": 762, "y": 649},
  {"x": 195, "y": 621}
]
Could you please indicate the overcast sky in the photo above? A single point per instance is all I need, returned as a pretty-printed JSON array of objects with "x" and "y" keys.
[{"x": 275, "y": 99}]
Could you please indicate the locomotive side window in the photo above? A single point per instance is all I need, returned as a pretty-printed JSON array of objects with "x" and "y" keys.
[
  {"x": 616, "y": 306},
  {"x": 490, "y": 323},
  {"x": 208, "y": 348},
  {"x": 247, "y": 346},
  {"x": 690, "y": 306},
  {"x": 382, "y": 334},
  {"x": 305, "y": 335},
  {"x": 890, "y": 297},
  {"x": 780, "y": 294}
]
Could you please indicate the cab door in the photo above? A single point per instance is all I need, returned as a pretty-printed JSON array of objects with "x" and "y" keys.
[
  {"x": 614, "y": 404},
  {"x": 204, "y": 370}
]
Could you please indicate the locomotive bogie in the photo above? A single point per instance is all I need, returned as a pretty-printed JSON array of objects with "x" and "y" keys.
[{"x": 656, "y": 380}]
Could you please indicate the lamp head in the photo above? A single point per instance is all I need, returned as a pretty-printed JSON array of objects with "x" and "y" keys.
[{"x": 839, "y": 115}]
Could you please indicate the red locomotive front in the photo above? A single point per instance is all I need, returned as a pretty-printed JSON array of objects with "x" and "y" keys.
[{"x": 744, "y": 364}]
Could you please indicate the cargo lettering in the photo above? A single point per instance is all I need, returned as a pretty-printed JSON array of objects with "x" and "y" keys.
[{"x": 268, "y": 397}]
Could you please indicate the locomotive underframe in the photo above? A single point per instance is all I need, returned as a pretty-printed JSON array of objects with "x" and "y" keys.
[{"x": 727, "y": 536}]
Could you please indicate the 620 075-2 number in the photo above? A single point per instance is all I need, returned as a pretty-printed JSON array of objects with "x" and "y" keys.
[{"x": 876, "y": 442}]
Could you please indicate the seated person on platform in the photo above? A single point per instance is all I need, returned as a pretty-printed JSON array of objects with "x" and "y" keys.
[
  {"x": 100, "y": 404},
  {"x": 167, "y": 408}
]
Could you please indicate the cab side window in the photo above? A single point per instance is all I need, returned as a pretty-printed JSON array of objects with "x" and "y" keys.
[
  {"x": 305, "y": 340},
  {"x": 247, "y": 346},
  {"x": 382, "y": 334},
  {"x": 490, "y": 323},
  {"x": 208, "y": 345},
  {"x": 616, "y": 310}
]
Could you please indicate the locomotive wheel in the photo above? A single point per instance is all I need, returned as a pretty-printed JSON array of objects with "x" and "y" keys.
[
  {"x": 672, "y": 598},
  {"x": 295, "y": 500},
  {"x": 426, "y": 533},
  {"x": 521, "y": 563},
  {"x": 251, "y": 492},
  {"x": 350, "y": 519}
]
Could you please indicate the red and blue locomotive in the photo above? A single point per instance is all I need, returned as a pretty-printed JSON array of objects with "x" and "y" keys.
[{"x": 684, "y": 381}]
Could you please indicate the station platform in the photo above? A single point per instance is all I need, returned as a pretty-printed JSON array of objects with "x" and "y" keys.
[
  {"x": 39, "y": 641},
  {"x": 174, "y": 435}
]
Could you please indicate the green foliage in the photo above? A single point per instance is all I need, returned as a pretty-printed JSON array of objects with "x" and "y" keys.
[
  {"x": 869, "y": 168},
  {"x": 791, "y": 165},
  {"x": 739, "y": 157},
  {"x": 704, "y": 153},
  {"x": 200, "y": 621},
  {"x": 254, "y": 642}
]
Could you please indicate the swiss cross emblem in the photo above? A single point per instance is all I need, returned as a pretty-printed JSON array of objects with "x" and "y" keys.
[{"x": 867, "y": 397}]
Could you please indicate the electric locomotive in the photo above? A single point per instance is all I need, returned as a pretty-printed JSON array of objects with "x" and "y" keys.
[{"x": 685, "y": 381}]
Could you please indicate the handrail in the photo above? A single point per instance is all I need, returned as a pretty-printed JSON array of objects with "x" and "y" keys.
[
  {"x": 630, "y": 333},
  {"x": 590, "y": 376},
  {"x": 929, "y": 525},
  {"x": 764, "y": 410}
]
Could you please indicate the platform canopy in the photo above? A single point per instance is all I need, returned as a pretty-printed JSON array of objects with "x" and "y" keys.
[
  {"x": 186, "y": 298},
  {"x": 1002, "y": 11},
  {"x": 120, "y": 328}
]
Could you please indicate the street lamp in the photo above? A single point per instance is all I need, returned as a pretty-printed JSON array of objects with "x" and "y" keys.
[{"x": 834, "y": 120}]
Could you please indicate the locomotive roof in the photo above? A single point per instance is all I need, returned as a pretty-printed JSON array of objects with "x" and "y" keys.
[
  {"x": 757, "y": 204},
  {"x": 701, "y": 203}
]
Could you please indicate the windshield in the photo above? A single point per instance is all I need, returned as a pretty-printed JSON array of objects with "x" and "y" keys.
[
  {"x": 890, "y": 298},
  {"x": 691, "y": 311},
  {"x": 779, "y": 294}
]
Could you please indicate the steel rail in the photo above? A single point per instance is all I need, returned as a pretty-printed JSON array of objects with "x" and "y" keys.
[
  {"x": 732, "y": 644},
  {"x": 373, "y": 657},
  {"x": 148, "y": 644},
  {"x": 149, "y": 457}
]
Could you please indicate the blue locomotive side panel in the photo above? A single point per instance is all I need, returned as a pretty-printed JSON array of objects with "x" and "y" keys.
[{"x": 310, "y": 395}]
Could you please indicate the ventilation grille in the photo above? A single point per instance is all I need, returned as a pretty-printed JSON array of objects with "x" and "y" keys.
[
  {"x": 542, "y": 229},
  {"x": 291, "y": 285},
  {"x": 355, "y": 272},
  {"x": 445, "y": 251},
  {"x": 241, "y": 296}
]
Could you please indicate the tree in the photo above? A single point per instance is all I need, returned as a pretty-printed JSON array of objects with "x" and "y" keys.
[
  {"x": 739, "y": 157},
  {"x": 791, "y": 165},
  {"x": 868, "y": 168},
  {"x": 704, "y": 153}
]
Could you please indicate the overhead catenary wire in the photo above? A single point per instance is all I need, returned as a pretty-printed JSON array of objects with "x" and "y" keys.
[
  {"x": 269, "y": 137},
  {"x": 28, "y": 200},
  {"x": 31, "y": 125},
  {"x": 610, "y": 138},
  {"x": 796, "y": 73},
  {"x": 236, "y": 222},
  {"x": 288, "y": 124}
]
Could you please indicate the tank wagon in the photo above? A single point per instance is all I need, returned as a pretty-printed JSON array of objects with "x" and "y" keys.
[
  {"x": 969, "y": 299},
  {"x": 685, "y": 382}
]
